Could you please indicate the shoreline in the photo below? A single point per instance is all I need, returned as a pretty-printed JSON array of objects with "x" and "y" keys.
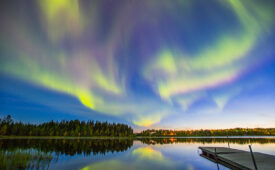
[{"x": 134, "y": 137}]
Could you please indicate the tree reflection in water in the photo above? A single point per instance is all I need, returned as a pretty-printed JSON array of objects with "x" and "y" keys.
[
  {"x": 69, "y": 146},
  {"x": 38, "y": 153}
]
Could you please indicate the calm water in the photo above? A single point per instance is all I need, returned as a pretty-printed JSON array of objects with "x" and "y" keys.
[{"x": 158, "y": 153}]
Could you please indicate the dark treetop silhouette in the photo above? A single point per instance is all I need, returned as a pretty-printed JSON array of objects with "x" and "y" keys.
[
  {"x": 217, "y": 132},
  {"x": 64, "y": 128}
]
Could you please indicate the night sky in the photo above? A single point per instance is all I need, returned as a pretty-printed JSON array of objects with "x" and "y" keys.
[{"x": 148, "y": 63}]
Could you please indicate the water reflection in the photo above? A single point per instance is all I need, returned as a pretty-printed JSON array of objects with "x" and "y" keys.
[
  {"x": 25, "y": 159},
  {"x": 140, "y": 158},
  {"x": 148, "y": 153},
  {"x": 68, "y": 146},
  {"x": 141, "y": 153}
]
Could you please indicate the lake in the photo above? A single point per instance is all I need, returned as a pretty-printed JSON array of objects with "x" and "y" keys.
[{"x": 139, "y": 153}]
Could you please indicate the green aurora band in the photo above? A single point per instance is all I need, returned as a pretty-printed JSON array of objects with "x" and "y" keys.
[{"x": 91, "y": 71}]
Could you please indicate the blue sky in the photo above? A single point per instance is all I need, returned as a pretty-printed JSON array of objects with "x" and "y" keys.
[{"x": 150, "y": 64}]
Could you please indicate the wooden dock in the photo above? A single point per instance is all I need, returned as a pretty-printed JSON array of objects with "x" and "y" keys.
[{"x": 238, "y": 159}]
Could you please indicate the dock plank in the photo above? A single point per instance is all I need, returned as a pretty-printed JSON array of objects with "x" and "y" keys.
[
  {"x": 263, "y": 161},
  {"x": 238, "y": 159},
  {"x": 220, "y": 150}
]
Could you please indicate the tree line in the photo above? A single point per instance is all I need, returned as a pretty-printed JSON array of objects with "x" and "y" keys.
[
  {"x": 217, "y": 132},
  {"x": 64, "y": 128},
  {"x": 207, "y": 140}
]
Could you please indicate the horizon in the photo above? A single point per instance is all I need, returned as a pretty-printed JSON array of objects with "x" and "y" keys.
[
  {"x": 147, "y": 64},
  {"x": 137, "y": 130}
]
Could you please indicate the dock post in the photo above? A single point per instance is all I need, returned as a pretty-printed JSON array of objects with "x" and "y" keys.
[
  {"x": 254, "y": 162},
  {"x": 216, "y": 159},
  {"x": 228, "y": 140}
]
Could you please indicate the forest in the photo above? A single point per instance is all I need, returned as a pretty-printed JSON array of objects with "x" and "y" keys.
[
  {"x": 76, "y": 128},
  {"x": 64, "y": 128},
  {"x": 207, "y": 140},
  {"x": 216, "y": 132}
]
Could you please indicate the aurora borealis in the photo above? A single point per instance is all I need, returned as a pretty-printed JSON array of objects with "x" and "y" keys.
[{"x": 149, "y": 63}]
